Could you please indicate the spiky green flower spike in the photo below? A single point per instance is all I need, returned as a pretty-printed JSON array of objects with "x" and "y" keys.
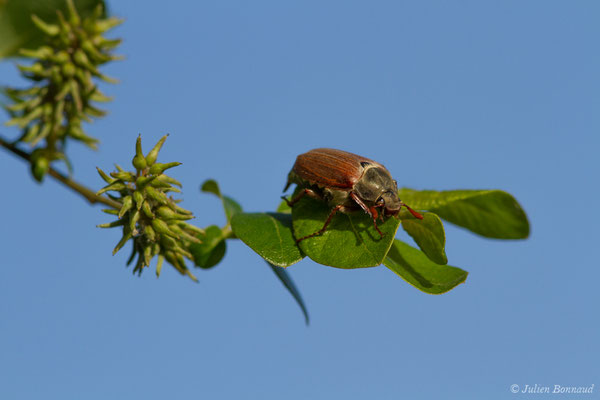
[
  {"x": 63, "y": 73},
  {"x": 150, "y": 218}
]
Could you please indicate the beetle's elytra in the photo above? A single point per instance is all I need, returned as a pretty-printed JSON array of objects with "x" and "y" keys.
[{"x": 347, "y": 182}]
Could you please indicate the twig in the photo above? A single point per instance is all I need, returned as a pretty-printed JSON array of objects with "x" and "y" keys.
[{"x": 87, "y": 193}]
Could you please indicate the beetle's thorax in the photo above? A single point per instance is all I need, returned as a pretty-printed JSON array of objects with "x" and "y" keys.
[{"x": 375, "y": 184}]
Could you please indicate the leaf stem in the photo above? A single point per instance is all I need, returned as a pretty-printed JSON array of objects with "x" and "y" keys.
[
  {"x": 85, "y": 192},
  {"x": 227, "y": 232}
]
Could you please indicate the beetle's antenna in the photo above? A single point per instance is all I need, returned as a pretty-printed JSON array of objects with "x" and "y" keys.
[{"x": 413, "y": 212}]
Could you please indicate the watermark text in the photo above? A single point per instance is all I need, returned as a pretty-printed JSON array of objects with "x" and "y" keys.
[{"x": 551, "y": 389}]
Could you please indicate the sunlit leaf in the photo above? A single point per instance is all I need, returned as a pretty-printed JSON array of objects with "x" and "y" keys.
[
  {"x": 350, "y": 240},
  {"x": 428, "y": 233},
  {"x": 490, "y": 213},
  {"x": 418, "y": 270},
  {"x": 284, "y": 208},
  {"x": 269, "y": 235},
  {"x": 212, "y": 249}
]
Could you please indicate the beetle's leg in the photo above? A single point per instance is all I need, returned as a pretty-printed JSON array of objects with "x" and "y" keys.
[
  {"x": 374, "y": 216},
  {"x": 371, "y": 211},
  {"x": 360, "y": 203},
  {"x": 413, "y": 212},
  {"x": 309, "y": 192},
  {"x": 382, "y": 211},
  {"x": 320, "y": 231},
  {"x": 374, "y": 212}
]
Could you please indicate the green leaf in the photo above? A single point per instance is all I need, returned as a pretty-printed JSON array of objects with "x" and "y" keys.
[
  {"x": 211, "y": 186},
  {"x": 284, "y": 208},
  {"x": 428, "y": 233},
  {"x": 490, "y": 213},
  {"x": 230, "y": 206},
  {"x": 285, "y": 278},
  {"x": 17, "y": 30},
  {"x": 350, "y": 240},
  {"x": 212, "y": 249},
  {"x": 268, "y": 234},
  {"x": 415, "y": 268}
]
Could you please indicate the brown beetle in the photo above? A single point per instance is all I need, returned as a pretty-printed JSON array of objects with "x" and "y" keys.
[{"x": 347, "y": 182}]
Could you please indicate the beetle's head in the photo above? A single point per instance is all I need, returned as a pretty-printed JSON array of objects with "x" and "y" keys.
[
  {"x": 390, "y": 202},
  {"x": 377, "y": 187}
]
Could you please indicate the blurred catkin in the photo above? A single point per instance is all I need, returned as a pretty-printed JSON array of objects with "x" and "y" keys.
[{"x": 63, "y": 91}]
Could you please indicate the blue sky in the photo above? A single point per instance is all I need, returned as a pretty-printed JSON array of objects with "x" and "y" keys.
[{"x": 448, "y": 95}]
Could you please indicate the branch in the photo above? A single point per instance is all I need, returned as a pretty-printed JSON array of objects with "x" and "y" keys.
[{"x": 87, "y": 193}]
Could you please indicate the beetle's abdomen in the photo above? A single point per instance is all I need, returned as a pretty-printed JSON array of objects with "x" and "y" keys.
[{"x": 330, "y": 168}]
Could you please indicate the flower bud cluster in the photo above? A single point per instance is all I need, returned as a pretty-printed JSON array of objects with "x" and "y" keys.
[
  {"x": 63, "y": 72},
  {"x": 151, "y": 219}
]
